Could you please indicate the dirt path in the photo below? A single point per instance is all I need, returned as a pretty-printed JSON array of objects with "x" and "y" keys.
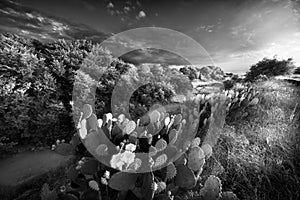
[{"x": 22, "y": 167}]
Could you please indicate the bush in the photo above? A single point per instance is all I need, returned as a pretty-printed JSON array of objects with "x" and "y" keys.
[
  {"x": 228, "y": 84},
  {"x": 297, "y": 70},
  {"x": 189, "y": 71},
  {"x": 270, "y": 68}
]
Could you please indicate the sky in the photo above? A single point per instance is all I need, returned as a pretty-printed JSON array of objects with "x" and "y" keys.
[{"x": 235, "y": 33}]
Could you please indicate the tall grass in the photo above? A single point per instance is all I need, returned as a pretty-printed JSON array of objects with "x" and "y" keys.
[{"x": 259, "y": 147}]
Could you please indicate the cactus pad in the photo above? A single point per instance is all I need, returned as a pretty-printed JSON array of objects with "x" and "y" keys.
[
  {"x": 161, "y": 144},
  {"x": 212, "y": 188},
  {"x": 171, "y": 171},
  {"x": 196, "y": 158},
  {"x": 148, "y": 189},
  {"x": 161, "y": 186},
  {"x": 122, "y": 181},
  {"x": 130, "y": 126},
  {"x": 185, "y": 177},
  {"x": 173, "y": 135},
  {"x": 207, "y": 149},
  {"x": 154, "y": 116},
  {"x": 94, "y": 185}
]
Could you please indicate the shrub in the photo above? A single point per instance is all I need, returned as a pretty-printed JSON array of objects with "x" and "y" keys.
[
  {"x": 270, "y": 68},
  {"x": 189, "y": 71},
  {"x": 297, "y": 70}
]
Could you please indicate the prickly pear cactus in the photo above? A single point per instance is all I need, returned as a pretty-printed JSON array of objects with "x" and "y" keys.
[
  {"x": 212, "y": 188},
  {"x": 185, "y": 177},
  {"x": 123, "y": 181},
  {"x": 171, "y": 171},
  {"x": 196, "y": 158}
]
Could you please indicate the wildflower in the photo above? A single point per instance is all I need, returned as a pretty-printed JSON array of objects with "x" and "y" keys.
[
  {"x": 130, "y": 147},
  {"x": 107, "y": 174},
  {"x": 118, "y": 160}
]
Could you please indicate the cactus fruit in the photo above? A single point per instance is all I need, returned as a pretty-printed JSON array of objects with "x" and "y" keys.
[
  {"x": 161, "y": 144},
  {"x": 87, "y": 111},
  {"x": 196, "y": 158},
  {"x": 122, "y": 181},
  {"x": 161, "y": 186},
  {"x": 171, "y": 171},
  {"x": 185, "y": 177},
  {"x": 130, "y": 126},
  {"x": 94, "y": 185},
  {"x": 212, "y": 188},
  {"x": 207, "y": 149}
]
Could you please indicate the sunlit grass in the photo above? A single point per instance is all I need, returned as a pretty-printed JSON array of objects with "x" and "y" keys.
[{"x": 260, "y": 150}]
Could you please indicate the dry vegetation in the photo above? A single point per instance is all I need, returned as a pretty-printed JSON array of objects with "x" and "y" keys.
[{"x": 259, "y": 149}]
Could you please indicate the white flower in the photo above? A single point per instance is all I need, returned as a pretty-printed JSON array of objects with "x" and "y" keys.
[
  {"x": 128, "y": 157},
  {"x": 130, "y": 147},
  {"x": 116, "y": 161},
  {"x": 155, "y": 186},
  {"x": 107, "y": 174}
]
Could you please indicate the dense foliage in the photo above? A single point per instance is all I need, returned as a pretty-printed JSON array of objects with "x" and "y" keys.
[
  {"x": 297, "y": 70},
  {"x": 190, "y": 72},
  {"x": 37, "y": 81},
  {"x": 270, "y": 67}
]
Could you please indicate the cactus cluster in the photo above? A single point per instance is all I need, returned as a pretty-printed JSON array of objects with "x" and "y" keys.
[
  {"x": 241, "y": 97},
  {"x": 166, "y": 147}
]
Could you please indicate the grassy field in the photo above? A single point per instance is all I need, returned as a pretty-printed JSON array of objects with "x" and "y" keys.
[{"x": 259, "y": 147}]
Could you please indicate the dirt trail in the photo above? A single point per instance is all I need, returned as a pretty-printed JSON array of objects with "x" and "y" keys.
[{"x": 22, "y": 167}]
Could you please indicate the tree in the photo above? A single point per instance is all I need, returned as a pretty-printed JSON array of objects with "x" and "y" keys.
[
  {"x": 189, "y": 71},
  {"x": 297, "y": 70},
  {"x": 270, "y": 68}
]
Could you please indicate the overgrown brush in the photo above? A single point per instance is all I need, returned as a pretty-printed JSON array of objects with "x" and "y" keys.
[{"x": 259, "y": 149}]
